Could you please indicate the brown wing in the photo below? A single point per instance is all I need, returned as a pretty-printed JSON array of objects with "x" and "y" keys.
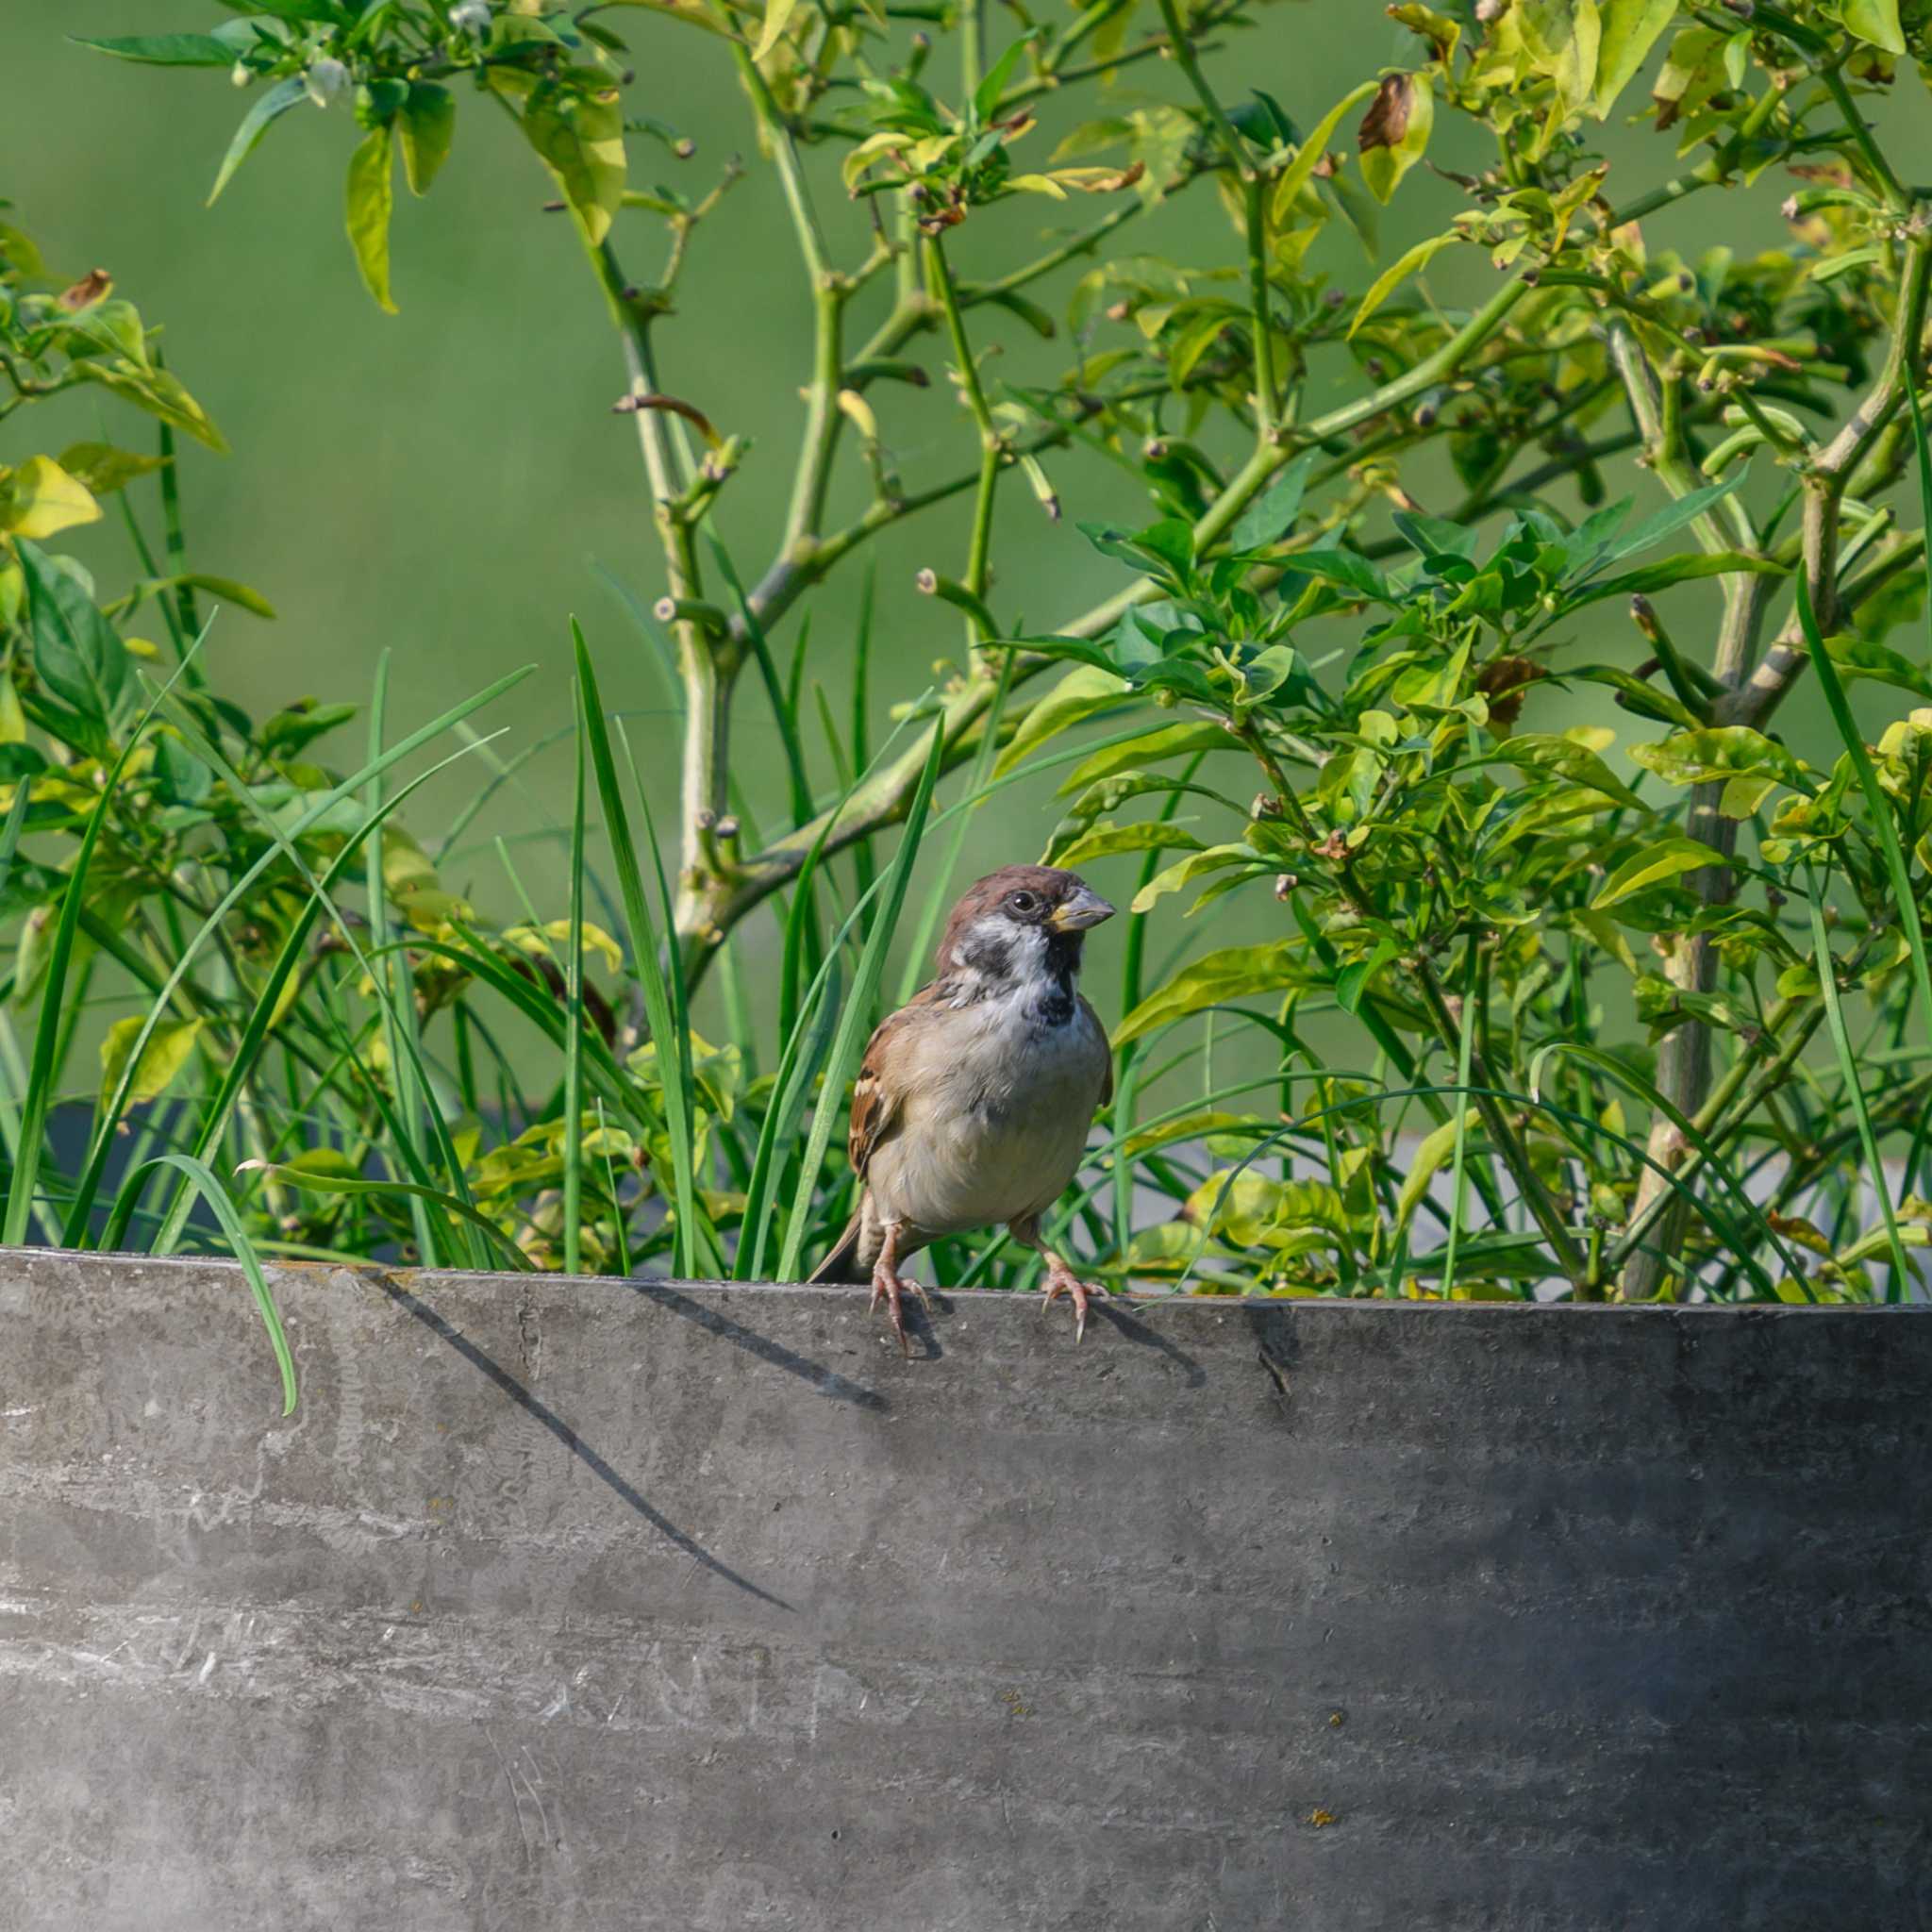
[
  {"x": 875, "y": 1102},
  {"x": 1106, "y": 1079}
]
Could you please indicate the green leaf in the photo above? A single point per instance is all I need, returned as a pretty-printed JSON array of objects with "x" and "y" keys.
[
  {"x": 1654, "y": 530},
  {"x": 168, "y": 1050},
  {"x": 77, "y": 653},
  {"x": 1196, "y": 865},
  {"x": 1876, "y": 20},
  {"x": 1533, "y": 751},
  {"x": 1301, "y": 170},
  {"x": 1667, "y": 859},
  {"x": 164, "y": 50},
  {"x": 1343, "y": 567},
  {"x": 1631, "y": 28},
  {"x": 371, "y": 201},
  {"x": 427, "y": 126},
  {"x": 1399, "y": 271},
  {"x": 1673, "y": 569},
  {"x": 1213, "y": 979},
  {"x": 1271, "y": 516},
  {"x": 267, "y": 108},
  {"x": 1079, "y": 694},
  {"x": 1106, "y": 840}
]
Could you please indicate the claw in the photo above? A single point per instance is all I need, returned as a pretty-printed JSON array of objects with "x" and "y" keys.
[
  {"x": 890, "y": 1288},
  {"x": 1061, "y": 1280}
]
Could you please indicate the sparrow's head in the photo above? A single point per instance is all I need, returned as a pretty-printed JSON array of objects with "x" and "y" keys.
[{"x": 1020, "y": 922}]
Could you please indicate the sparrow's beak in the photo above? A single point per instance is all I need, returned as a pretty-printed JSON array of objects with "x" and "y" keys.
[{"x": 1085, "y": 908}]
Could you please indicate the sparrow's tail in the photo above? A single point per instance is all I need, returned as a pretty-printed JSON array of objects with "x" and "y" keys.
[{"x": 842, "y": 1264}]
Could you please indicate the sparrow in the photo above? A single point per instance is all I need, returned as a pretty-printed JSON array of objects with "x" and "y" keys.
[{"x": 974, "y": 1099}]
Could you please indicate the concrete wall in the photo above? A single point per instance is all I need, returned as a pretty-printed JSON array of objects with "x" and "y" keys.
[{"x": 564, "y": 1605}]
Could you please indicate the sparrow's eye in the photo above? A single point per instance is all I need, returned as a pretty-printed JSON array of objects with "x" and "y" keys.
[{"x": 1022, "y": 902}]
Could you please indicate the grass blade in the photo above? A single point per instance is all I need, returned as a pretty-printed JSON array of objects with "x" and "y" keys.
[
  {"x": 1855, "y": 1091},
  {"x": 1896, "y": 867},
  {"x": 854, "y": 1025},
  {"x": 674, "y": 1082},
  {"x": 314, "y": 1182},
  {"x": 47, "y": 1030},
  {"x": 574, "y": 1034},
  {"x": 212, "y": 1192},
  {"x": 397, "y": 995}
]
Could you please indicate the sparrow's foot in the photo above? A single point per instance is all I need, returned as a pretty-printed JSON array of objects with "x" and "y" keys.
[
  {"x": 890, "y": 1288},
  {"x": 1060, "y": 1279}
]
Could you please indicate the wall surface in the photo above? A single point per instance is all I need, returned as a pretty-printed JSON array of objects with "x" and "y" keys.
[{"x": 566, "y": 1606}]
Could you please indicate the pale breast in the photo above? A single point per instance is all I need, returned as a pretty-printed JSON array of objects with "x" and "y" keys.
[{"x": 998, "y": 1121}]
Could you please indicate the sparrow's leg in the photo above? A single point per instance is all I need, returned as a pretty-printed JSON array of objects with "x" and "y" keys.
[
  {"x": 1060, "y": 1279},
  {"x": 888, "y": 1285}
]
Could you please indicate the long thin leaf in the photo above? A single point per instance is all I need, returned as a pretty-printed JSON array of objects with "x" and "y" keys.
[
  {"x": 1896, "y": 867},
  {"x": 309, "y": 1181},
  {"x": 255, "y": 1032},
  {"x": 47, "y": 1031},
  {"x": 574, "y": 1032},
  {"x": 1855, "y": 1091},
  {"x": 675, "y": 1083},
  {"x": 854, "y": 1025},
  {"x": 212, "y": 1192}
]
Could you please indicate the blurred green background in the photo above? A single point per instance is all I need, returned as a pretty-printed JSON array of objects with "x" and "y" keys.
[{"x": 449, "y": 484}]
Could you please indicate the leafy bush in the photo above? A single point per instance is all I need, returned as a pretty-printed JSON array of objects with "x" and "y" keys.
[{"x": 1541, "y": 1012}]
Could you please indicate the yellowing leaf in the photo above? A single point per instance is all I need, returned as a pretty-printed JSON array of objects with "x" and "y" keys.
[
  {"x": 103, "y": 468},
  {"x": 1564, "y": 37},
  {"x": 777, "y": 14},
  {"x": 1631, "y": 28},
  {"x": 1427, "y": 1162},
  {"x": 40, "y": 499},
  {"x": 860, "y": 411},
  {"x": 1395, "y": 131},
  {"x": 537, "y": 941},
  {"x": 1399, "y": 271},
  {"x": 580, "y": 138},
  {"x": 867, "y": 151},
  {"x": 1038, "y": 184},
  {"x": 163, "y": 1058},
  {"x": 371, "y": 200}
]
